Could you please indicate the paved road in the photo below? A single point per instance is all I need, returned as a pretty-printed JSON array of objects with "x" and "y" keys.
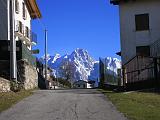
[{"x": 63, "y": 105}]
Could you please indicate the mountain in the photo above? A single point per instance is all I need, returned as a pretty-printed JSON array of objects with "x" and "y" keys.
[{"x": 84, "y": 67}]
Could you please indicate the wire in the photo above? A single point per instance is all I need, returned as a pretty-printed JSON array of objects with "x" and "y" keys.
[{"x": 40, "y": 22}]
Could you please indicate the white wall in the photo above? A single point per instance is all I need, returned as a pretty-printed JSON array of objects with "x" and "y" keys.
[
  {"x": 19, "y": 16},
  {"x": 130, "y": 38},
  {"x": 89, "y": 85},
  {"x": 4, "y": 21},
  {"x": 25, "y": 22}
]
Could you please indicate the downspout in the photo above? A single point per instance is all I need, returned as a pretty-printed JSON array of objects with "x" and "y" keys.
[{"x": 13, "y": 61}]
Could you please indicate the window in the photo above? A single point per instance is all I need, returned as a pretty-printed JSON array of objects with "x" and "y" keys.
[
  {"x": 17, "y": 6},
  {"x": 27, "y": 32},
  {"x": 142, "y": 22},
  {"x": 143, "y": 51},
  {"x": 24, "y": 11},
  {"x": 20, "y": 29}
]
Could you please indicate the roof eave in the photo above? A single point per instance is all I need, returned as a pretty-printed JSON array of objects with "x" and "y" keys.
[
  {"x": 115, "y": 2},
  {"x": 33, "y": 9}
]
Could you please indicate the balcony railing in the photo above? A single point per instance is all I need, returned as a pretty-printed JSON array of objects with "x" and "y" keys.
[
  {"x": 34, "y": 38},
  {"x": 24, "y": 33}
]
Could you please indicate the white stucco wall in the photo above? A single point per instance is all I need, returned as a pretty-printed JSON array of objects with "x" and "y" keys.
[
  {"x": 19, "y": 17},
  {"x": 130, "y": 38},
  {"x": 5, "y": 22}
]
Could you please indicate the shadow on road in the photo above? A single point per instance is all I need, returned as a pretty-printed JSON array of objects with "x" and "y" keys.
[{"x": 75, "y": 91}]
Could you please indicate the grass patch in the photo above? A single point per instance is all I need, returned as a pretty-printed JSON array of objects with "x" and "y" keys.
[
  {"x": 136, "y": 105},
  {"x": 11, "y": 98}
]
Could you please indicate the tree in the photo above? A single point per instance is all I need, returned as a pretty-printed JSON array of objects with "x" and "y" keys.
[{"x": 67, "y": 71}]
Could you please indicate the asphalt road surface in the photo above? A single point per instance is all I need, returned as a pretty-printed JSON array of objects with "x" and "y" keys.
[{"x": 84, "y": 104}]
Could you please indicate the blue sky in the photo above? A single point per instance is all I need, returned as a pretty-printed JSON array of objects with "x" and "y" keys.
[{"x": 89, "y": 24}]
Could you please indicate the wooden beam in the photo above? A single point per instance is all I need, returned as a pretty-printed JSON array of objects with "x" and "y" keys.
[{"x": 33, "y": 9}]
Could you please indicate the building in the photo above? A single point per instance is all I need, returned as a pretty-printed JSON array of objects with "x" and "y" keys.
[
  {"x": 24, "y": 11},
  {"x": 140, "y": 41},
  {"x": 82, "y": 84}
]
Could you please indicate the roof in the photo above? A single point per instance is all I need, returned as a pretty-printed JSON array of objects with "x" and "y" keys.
[
  {"x": 117, "y": 2},
  {"x": 80, "y": 81},
  {"x": 33, "y": 9},
  {"x": 119, "y": 53}
]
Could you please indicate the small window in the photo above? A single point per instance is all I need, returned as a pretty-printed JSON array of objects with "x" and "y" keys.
[
  {"x": 24, "y": 11},
  {"x": 143, "y": 51},
  {"x": 20, "y": 29},
  {"x": 17, "y": 6},
  {"x": 142, "y": 22},
  {"x": 27, "y": 32}
]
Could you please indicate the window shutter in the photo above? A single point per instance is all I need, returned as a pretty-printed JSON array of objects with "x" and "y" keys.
[
  {"x": 142, "y": 22},
  {"x": 16, "y": 25},
  {"x": 23, "y": 29},
  {"x": 17, "y": 6}
]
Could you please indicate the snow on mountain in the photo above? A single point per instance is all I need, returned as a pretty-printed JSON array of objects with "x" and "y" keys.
[{"x": 84, "y": 66}]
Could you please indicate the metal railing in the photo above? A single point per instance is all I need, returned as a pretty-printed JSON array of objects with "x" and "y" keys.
[
  {"x": 34, "y": 37},
  {"x": 25, "y": 32},
  {"x": 155, "y": 49},
  {"x": 27, "y": 55},
  {"x": 138, "y": 69}
]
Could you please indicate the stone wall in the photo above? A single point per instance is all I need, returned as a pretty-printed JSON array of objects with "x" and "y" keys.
[
  {"x": 27, "y": 75},
  {"x": 4, "y": 85}
]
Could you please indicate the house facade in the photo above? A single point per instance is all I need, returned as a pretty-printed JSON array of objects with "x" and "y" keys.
[
  {"x": 139, "y": 30},
  {"x": 22, "y": 12},
  {"x": 83, "y": 84}
]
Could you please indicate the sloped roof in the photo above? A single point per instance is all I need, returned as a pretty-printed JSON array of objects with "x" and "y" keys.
[
  {"x": 117, "y": 2},
  {"x": 33, "y": 9}
]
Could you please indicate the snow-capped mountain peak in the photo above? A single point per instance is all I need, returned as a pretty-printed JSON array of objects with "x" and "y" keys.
[
  {"x": 55, "y": 57},
  {"x": 83, "y": 65}
]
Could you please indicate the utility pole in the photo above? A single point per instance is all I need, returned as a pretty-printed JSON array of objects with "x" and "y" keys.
[
  {"x": 13, "y": 61},
  {"x": 46, "y": 81}
]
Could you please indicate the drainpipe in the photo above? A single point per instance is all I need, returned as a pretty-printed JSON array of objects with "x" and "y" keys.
[{"x": 13, "y": 61}]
